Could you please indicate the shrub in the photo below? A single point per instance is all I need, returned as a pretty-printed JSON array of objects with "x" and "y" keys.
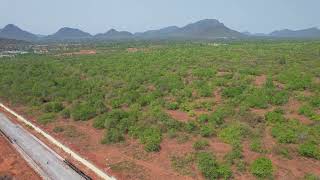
[
  {"x": 279, "y": 98},
  {"x": 200, "y": 144},
  {"x": 274, "y": 117},
  {"x": 224, "y": 171},
  {"x": 309, "y": 149},
  {"x": 99, "y": 121},
  {"x": 190, "y": 126},
  {"x": 53, "y": 107},
  {"x": 232, "y": 133},
  {"x": 151, "y": 138},
  {"x": 210, "y": 168},
  {"x": 235, "y": 154},
  {"x": 256, "y": 145},
  {"x": 183, "y": 163},
  {"x": 315, "y": 102},
  {"x": 283, "y": 133},
  {"x": 203, "y": 118},
  {"x": 232, "y": 92},
  {"x": 83, "y": 112},
  {"x": 258, "y": 98},
  {"x": 113, "y": 135},
  {"x": 262, "y": 167},
  {"x": 207, "y": 165},
  {"x": 308, "y": 111},
  {"x": 65, "y": 113},
  {"x": 206, "y": 130},
  {"x": 218, "y": 116},
  {"x": 46, "y": 118},
  {"x": 58, "y": 129},
  {"x": 205, "y": 91},
  {"x": 172, "y": 106}
]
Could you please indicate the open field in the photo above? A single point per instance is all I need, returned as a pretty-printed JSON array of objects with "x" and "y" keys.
[{"x": 178, "y": 110}]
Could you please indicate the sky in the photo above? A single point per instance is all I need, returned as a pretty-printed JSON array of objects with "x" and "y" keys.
[{"x": 96, "y": 16}]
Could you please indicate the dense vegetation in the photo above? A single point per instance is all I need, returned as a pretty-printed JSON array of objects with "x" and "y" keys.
[{"x": 129, "y": 93}]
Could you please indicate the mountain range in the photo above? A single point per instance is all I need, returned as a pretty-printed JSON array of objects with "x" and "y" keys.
[{"x": 207, "y": 29}]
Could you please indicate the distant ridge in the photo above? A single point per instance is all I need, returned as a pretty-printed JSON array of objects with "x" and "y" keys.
[
  {"x": 67, "y": 33},
  {"x": 11, "y": 31},
  {"x": 204, "y": 29},
  {"x": 114, "y": 34},
  {"x": 207, "y": 29},
  {"x": 304, "y": 33}
]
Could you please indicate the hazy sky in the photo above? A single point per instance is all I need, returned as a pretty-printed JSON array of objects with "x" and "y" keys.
[{"x": 47, "y": 16}]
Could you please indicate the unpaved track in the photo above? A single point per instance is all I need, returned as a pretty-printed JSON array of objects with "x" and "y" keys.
[{"x": 48, "y": 161}]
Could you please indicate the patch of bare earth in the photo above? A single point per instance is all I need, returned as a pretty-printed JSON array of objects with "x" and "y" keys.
[
  {"x": 259, "y": 81},
  {"x": 291, "y": 111},
  {"x": 178, "y": 115},
  {"x": 261, "y": 112},
  {"x": 12, "y": 164},
  {"x": 219, "y": 148}
]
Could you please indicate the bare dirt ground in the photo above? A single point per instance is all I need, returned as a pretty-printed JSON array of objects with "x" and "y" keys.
[
  {"x": 291, "y": 109},
  {"x": 178, "y": 115},
  {"x": 260, "y": 80},
  {"x": 12, "y": 164}
]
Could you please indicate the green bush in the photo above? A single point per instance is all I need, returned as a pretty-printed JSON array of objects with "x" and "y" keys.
[
  {"x": 58, "y": 129},
  {"x": 210, "y": 168},
  {"x": 308, "y": 111},
  {"x": 309, "y": 149},
  {"x": 256, "y": 145},
  {"x": 262, "y": 167},
  {"x": 283, "y": 133},
  {"x": 173, "y": 106},
  {"x": 99, "y": 121},
  {"x": 217, "y": 117},
  {"x": 65, "y": 113},
  {"x": 258, "y": 98},
  {"x": 232, "y": 92},
  {"x": 46, "y": 118},
  {"x": 224, "y": 172},
  {"x": 151, "y": 138},
  {"x": 53, "y": 107},
  {"x": 83, "y": 112},
  {"x": 232, "y": 133},
  {"x": 234, "y": 155},
  {"x": 113, "y": 135},
  {"x": 203, "y": 118},
  {"x": 200, "y": 144},
  {"x": 315, "y": 101},
  {"x": 206, "y": 131},
  {"x": 279, "y": 98},
  {"x": 191, "y": 126},
  {"x": 274, "y": 117}
]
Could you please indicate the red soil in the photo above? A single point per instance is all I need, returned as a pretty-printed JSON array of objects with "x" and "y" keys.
[
  {"x": 291, "y": 111},
  {"x": 260, "y": 80},
  {"x": 219, "y": 148},
  {"x": 12, "y": 164},
  {"x": 179, "y": 115}
]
